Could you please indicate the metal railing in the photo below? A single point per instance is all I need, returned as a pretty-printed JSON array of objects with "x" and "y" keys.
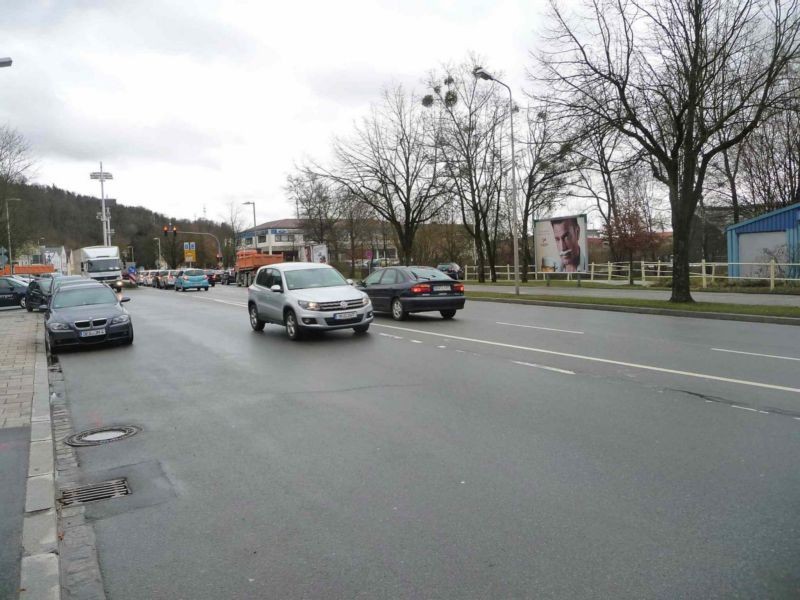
[{"x": 708, "y": 273}]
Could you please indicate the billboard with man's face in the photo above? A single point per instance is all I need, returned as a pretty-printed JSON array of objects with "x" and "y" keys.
[{"x": 560, "y": 244}]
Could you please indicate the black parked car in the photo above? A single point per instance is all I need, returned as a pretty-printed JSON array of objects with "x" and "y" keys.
[
  {"x": 13, "y": 292},
  {"x": 451, "y": 269},
  {"x": 86, "y": 314},
  {"x": 38, "y": 294},
  {"x": 228, "y": 277},
  {"x": 404, "y": 290}
]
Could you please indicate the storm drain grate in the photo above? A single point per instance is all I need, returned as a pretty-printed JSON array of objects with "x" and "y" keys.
[
  {"x": 93, "y": 492},
  {"x": 101, "y": 435}
]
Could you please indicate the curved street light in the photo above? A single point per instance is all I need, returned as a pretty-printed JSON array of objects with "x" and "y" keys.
[{"x": 481, "y": 73}]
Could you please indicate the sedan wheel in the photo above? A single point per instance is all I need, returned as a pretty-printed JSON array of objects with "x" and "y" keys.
[
  {"x": 398, "y": 314},
  {"x": 23, "y": 303},
  {"x": 447, "y": 314},
  {"x": 256, "y": 323}
]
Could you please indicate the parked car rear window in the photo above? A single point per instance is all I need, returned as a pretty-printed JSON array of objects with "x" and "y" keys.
[
  {"x": 313, "y": 278},
  {"x": 193, "y": 272},
  {"x": 84, "y": 297},
  {"x": 428, "y": 273}
]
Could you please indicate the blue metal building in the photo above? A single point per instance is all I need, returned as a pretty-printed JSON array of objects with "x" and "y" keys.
[{"x": 776, "y": 233}]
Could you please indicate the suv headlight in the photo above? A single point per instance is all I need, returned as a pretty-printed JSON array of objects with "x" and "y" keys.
[
  {"x": 120, "y": 319},
  {"x": 58, "y": 327},
  {"x": 308, "y": 305},
  {"x": 365, "y": 301}
]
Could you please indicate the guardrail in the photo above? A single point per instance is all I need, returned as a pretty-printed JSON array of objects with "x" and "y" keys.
[{"x": 643, "y": 271}]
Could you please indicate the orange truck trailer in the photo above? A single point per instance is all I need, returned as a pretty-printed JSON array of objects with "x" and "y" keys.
[
  {"x": 249, "y": 261},
  {"x": 28, "y": 270}
]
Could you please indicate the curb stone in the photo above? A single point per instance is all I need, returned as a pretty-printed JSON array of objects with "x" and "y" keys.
[
  {"x": 40, "y": 569},
  {"x": 665, "y": 312}
]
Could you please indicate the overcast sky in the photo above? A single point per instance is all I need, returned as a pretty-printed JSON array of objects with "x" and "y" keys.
[{"x": 196, "y": 104}]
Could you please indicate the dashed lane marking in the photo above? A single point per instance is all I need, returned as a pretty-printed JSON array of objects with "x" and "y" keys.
[
  {"x": 546, "y": 368},
  {"x": 756, "y": 354},
  {"x": 606, "y": 361},
  {"x": 542, "y": 328}
]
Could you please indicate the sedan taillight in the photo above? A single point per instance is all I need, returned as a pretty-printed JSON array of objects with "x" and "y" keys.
[
  {"x": 458, "y": 287},
  {"x": 422, "y": 288}
]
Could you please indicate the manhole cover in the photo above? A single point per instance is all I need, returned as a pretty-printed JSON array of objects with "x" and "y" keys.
[
  {"x": 101, "y": 435},
  {"x": 94, "y": 492}
]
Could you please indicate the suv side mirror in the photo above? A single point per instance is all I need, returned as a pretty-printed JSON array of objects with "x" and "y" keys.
[
  {"x": 125, "y": 299},
  {"x": 276, "y": 288},
  {"x": 350, "y": 282}
]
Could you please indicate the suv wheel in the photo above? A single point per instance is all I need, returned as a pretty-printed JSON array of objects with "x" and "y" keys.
[
  {"x": 256, "y": 323},
  {"x": 398, "y": 314},
  {"x": 360, "y": 329},
  {"x": 293, "y": 329}
]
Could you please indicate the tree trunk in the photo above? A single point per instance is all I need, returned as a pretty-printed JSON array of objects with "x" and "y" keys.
[
  {"x": 681, "y": 228},
  {"x": 526, "y": 252},
  {"x": 630, "y": 268}
]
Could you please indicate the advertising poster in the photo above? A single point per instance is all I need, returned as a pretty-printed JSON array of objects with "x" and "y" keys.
[
  {"x": 319, "y": 254},
  {"x": 560, "y": 244}
]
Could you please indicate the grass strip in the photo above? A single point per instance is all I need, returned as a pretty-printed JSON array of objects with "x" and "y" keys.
[{"x": 699, "y": 307}]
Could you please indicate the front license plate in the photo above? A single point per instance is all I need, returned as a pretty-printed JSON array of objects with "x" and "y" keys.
[
  {"x": 345, "y": 316},
  {"x": 93, "y": 332},
  {"x": 441, "y": 288}
]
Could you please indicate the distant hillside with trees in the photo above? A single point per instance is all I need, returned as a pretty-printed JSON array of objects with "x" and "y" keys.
[{"x": 64, "y": 218}]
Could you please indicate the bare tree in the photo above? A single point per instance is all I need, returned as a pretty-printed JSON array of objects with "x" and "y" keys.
[
  {"x": 232, "y": 218},
  {"x": 15, "y": 163},
  {"x": 319, "y": 205},
  {"x": 548, "y": 166},
  {"x": 470, "y": 119},
  {"x": 391, "y": 166},
  {"x": 682, "y": 79}
]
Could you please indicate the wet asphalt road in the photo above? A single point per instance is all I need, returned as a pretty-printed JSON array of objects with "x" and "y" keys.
[{"x": 515, "y": 452}]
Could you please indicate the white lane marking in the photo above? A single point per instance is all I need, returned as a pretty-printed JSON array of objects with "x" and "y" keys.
[
  {"x": 757, "y": 354},
  {"x": 607, "y": 361},
  {"x": 221, "y": 301},
  {"x": 524, "y": 364},
  {"x": 441, "y": 346},
  {"x": 542, "y": 328},
  {"x": 389, "y": 335},
  {"x": 415, "y": 342},
  {"x": 744, "y": 408}
]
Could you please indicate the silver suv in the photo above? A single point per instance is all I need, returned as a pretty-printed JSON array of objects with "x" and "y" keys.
[{"x": 305, "y": 297}]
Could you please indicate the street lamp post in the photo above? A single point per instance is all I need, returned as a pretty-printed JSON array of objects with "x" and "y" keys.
[
  {"x": 254, "y": 212},
  {"x": 103, "y": 176},
  {"x": 130, "y": 253},
  {"x": 8, "y": 227},
  {"x": 159, "y": 261},
  {"x": 480, "y": 73}
]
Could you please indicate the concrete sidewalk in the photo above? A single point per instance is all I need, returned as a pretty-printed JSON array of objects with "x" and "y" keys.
[
  {"x": 642, "y": 294},
  {"x": 28, "y": 559}
]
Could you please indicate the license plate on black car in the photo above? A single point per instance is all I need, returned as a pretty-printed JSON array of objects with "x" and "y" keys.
[
  {"x": 93, "y": 333},
  {"x": 345, "y": 316},
  {"x": 441, "y": 288}
]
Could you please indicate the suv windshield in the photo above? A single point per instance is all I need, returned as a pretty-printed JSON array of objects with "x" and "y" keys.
[
  {"x": 94, "y": 295},
  {"x": 103, "y": 264},
  {"x": 313, "y": 278}
]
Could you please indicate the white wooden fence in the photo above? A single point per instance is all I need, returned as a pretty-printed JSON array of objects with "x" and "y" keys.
[{"x": 644, "y": 271}]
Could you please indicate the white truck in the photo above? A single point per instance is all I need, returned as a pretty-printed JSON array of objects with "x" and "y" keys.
[{"x": 98, "y": 262}]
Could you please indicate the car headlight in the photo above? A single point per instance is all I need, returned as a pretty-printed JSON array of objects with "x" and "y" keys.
[
  {"x": 365, "y": 301},
  {"x": 308, "y": 305},
  {"x": 58, "y": 327},
  {"x": 120, "y": 319}
]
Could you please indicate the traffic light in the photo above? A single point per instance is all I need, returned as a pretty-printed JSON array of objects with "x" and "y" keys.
[
  {"x": 166, "y": 229},
  {"x": 174, "y": 231}
]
